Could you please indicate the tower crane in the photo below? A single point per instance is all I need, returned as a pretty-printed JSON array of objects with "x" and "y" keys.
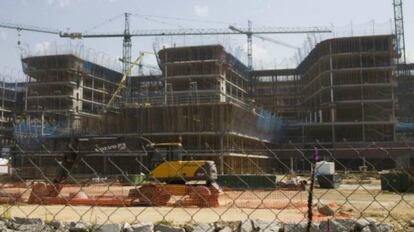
[
  {"x": 127, "y": 35},
  {"x": 249, "y": 32},
  {"x": 22, "y": 27},
  {"x": 399, "y": 29},
  {"x": 265, "y": 38}
]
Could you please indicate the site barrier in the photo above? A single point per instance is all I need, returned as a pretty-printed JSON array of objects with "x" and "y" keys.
[{"x": 358, "y": 188}]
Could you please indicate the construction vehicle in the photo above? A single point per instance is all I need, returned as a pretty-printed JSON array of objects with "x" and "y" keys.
[
  {"x": 170, "y": 172},
  {"x": 173, "y": 174},
  {"x": 169, "y": 164}
]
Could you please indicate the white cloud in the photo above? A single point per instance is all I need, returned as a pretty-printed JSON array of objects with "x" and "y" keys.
[
  {"x": 23, "y": 2},
  {"x": 201, "y": 11},
  {"x": 42, "y": 47},
  {"x": 410, "y": 57},
  {"x": 261, "y": 56},
  {"x": 60, "y": 3}
]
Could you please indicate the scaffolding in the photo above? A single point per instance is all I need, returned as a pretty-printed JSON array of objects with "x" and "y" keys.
[
  {"x": 206, "y": 99},
  {"x": 343, "y": 89},
  {"x": 201, "y": 100},
  {"x": 65, "y": 94},
  {"x": 8, "y": 97}
]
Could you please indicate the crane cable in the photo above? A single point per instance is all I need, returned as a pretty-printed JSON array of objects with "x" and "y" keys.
[
  {"x": 183, "y": 19},
  {"x": 104, "y": 22},
  {"x": 148, "y": 18}
]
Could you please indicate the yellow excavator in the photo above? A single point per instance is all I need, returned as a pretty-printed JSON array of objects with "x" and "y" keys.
[
  {"x": 169, "y": 164},
  {"x": 171, "y": 172}
]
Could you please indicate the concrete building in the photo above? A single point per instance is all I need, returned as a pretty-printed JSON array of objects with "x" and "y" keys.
[
  {"x": 66, "y": 94},
  {"x": 8, "y": 98},
  {"x": 344, "y": 93},
  {"x": 344, "y": 89},
  {"x": 202, "y": 101}
]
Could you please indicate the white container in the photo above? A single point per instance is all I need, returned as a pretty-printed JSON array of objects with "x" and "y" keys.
[
  {"x": 4, "y": 166},
  {"x": 325, "y": 168}
]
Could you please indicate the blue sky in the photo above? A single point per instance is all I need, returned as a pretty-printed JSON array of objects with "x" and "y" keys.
[{"x": 89, "y": 15}]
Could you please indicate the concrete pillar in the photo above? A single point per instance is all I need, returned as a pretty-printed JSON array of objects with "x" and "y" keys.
[
  {"x": 42, "y": 129},
  {"x": 221, "y": 171},
  {"x": 320, "y": 116},
  {"x": 332, "y": 107},
  {"x": 223, "y": 92}
]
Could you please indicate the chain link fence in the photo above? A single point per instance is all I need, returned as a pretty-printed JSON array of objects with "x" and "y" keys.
[{"x": 120, "y": 187}]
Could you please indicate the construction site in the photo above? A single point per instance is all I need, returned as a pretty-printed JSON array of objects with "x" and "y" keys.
[
  {"x": 78, "y": 126},
  {"x": 344, "y": 90}
]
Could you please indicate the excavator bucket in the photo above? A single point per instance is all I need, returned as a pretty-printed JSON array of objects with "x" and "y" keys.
[
  {"x": 41, "y": 190},
  {"x": 205, "y": 196},
  {"x": 151, "y": 194},
  {"x": 160, "y": 194}
]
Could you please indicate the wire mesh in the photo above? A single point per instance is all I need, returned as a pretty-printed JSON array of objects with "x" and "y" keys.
[{"x": 294, "y": 189}]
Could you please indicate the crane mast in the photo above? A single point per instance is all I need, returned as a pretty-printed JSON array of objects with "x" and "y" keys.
[
  {"x": 126, "y": 48},
  {"x": 399, "y": 30},
  {"x": 249, "y": 46}
]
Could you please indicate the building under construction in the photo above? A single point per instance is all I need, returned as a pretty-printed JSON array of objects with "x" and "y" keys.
[
  {"x": 11, "y": 108},
  {"x": 8, "y": 97},
  {"x": 345, "y": 89},
  {"x": 201, "y": 101},
  {"x": 65, "y": 95}
]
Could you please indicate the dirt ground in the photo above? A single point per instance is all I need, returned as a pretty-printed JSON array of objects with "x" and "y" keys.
[{"x": 288, "y": 206}]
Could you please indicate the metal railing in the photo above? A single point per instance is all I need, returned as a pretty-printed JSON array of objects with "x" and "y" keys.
[{"x": 185, "y": 98}]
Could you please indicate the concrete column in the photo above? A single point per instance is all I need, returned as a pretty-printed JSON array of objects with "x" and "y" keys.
[
  {"x": 42, "y": 129},
  {"x": 221, "y": 154},
  {"x": 332, "y": 106},
  {"x": 320, "y": 116},
  {"x": 165, "y": 79}
]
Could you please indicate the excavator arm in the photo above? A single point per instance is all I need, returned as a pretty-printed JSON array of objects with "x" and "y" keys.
[
  {"x": 70, "y": 159},
  {"x": 76, "y": 150}
]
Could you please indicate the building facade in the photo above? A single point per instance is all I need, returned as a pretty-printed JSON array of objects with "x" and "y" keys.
[
  {"x": 65, "y": 94},
  {"x": 202, "y": 101}
]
